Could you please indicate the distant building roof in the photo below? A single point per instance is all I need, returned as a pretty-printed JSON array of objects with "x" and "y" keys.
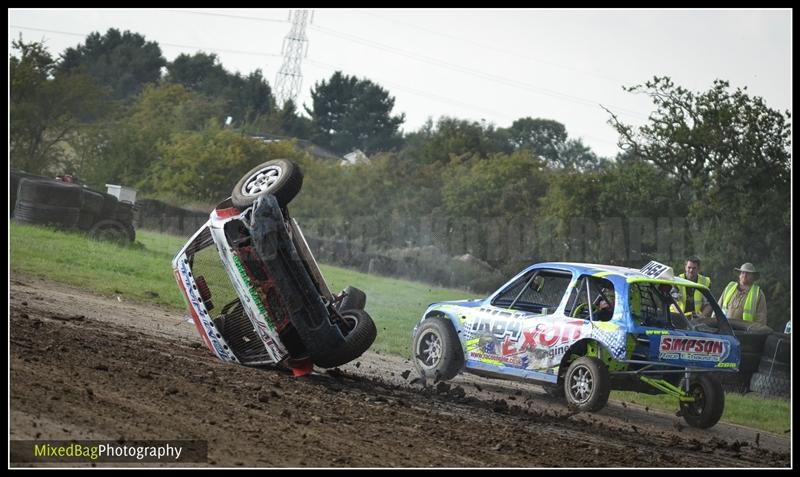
[
  {"x": 355, "y": 157},
  {"x": 309, "y": 146}
]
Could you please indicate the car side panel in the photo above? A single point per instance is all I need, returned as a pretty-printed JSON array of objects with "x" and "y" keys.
[
  {"x": 202, "y": 320},
  {"x": 518, "y": 343},
  {"x": 694, "y": 349},
  {"x": 262, "y": 323}
]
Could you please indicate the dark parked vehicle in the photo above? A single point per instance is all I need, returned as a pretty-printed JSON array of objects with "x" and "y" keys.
[{"x": 40, "y": 200}]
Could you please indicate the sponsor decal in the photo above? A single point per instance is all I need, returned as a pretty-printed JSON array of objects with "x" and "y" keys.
[
  {"x": 201, "y": 315},
  {"x": 276, "y": 350},
  {"x": 503, "y": 324},
  {"x": 264, "y": 326},
  {"x": 252, "y": 292},
  {"x": 512, "y": 339},
  {"x": 690, "y": 348},
  {"x": 656, "y": 332}
]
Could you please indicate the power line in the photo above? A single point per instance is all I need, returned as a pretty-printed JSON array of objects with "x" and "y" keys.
[
  {"x": 175, "y": 45},
  {"x": 417, "y": 92},
  {"x": 430, "y": 60},
  {"x": 443, "y": 99},
  {"x": 240, "y": 17},
  {"x": 331, "y": 67},
  {"x": 480, "y": 74},
  {"x": 501, "y": 50}
]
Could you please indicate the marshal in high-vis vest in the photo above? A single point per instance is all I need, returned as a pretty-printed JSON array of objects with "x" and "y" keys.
[
  {"x": 694, "y": 303},
  {"x": 744, "y": 300}
]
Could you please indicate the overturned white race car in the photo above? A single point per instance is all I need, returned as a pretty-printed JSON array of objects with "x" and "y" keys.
[{"x": 252, "y": 259}]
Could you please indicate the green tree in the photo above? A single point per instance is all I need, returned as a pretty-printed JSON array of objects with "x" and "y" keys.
[
  {"x": 124, "y": 62},
  {"x": 349, "y": 113},
  {"x": 626, "y": 188},
  {"x": 731, "y": 154},
  {"x": 123, "y": 150},
  {"x": 549, "y": 140},
  {"x": 454, "y": 139},
  {"x": 200, "y": 72},
  {"x": 282, "y": 121},
  {"x": 292, "y": 123},
  {"x": 45, "y": 111},
  {"x": 203, "y": 165},
  {"x": 542, "y": 137},
  {"x": 507, "y": 187},
  {"x": 247, "y": 98},
  {"x": 610, "y": 214},
  {"x": 573, "y": 154},
  {"x": 250, "y": 97}
]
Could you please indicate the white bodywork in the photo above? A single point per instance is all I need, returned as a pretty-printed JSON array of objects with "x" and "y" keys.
[{"x": 248, "y": 296}]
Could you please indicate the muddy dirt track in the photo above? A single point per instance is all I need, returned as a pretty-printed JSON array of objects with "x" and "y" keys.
[{"x": 85, "y": 366}]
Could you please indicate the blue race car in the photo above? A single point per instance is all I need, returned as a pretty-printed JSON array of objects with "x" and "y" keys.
[{"x": 581, "y": 330}]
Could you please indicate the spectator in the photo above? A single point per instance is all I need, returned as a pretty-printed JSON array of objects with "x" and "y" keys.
[
  {"x": 695, "y": 302},
  {"x": 744, "y": 300}
]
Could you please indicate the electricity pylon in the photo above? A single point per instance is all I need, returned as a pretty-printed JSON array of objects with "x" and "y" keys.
[{"x": 294, "y": 49}]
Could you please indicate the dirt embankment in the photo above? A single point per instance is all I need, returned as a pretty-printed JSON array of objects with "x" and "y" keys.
[{"x": 84, "y": 366}]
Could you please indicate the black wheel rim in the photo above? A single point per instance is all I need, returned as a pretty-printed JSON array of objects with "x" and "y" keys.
[{"x": 695, "y": 408}]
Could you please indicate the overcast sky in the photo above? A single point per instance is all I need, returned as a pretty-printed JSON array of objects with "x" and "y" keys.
[{"x": 482, "y": 65}]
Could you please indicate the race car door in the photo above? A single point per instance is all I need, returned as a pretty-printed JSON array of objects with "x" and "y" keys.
[{"x": 518, "y": 333}]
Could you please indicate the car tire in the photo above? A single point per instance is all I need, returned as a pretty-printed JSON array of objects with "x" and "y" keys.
[
  {"x": 587, "y": 384},
  {"x": 777, "y": 347},
  {"x": 735, "y": 382},
  {"x": 354, "y": 299},
  {"x": 123, "y": 213},
  {"x": 131, "y": 231},
  {"x": 751, "y": 342},
  {"x": 709, "y": 402},
  {"x": 33, "y": 213},
  {"x": 749, "y": 362},
  {"x": 775, "y": 385},
  {"x": 358, "y": 339},
  {"x": 279, "y": 177},
  {"x": 749, "y": 326},
  {"x": 50, "y": 193},
  {"x": 14, "y": 178},
  {"x": 112, "y": 231},
  {"x": 770, "y": 367},
  {"x": 437, "y": 352}
]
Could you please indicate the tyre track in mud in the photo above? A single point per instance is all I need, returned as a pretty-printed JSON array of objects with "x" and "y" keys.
[{"x": 88, "y": 366}]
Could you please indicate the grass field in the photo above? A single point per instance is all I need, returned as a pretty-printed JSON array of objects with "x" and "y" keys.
[
  {"x": 142, "y": 272},
  {"x": 750, "y": 409}
]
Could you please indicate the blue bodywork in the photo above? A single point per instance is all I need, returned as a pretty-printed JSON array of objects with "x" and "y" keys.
[{"x": 529, "y": 345}]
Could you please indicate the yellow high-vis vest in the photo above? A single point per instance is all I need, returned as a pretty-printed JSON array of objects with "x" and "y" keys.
[
  {"x": 750, "y": 302},
  {"x": 698, "y": 296}
]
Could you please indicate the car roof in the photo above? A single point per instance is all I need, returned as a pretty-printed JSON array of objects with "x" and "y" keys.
[{"x": 627, "y": 274}]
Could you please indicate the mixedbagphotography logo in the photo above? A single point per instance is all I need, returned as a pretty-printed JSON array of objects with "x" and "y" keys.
[{"x": 96, "y": 451}]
